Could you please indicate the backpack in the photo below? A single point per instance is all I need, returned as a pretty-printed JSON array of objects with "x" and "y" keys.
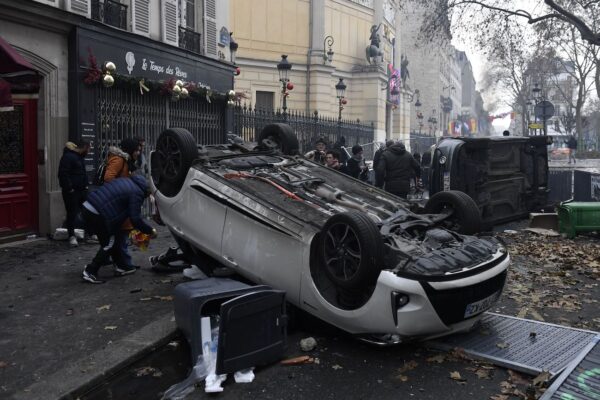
[{"x": 99, "y": 177}]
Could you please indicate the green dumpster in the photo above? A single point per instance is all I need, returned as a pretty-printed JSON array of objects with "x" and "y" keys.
[{"x": 576, "y": 217}]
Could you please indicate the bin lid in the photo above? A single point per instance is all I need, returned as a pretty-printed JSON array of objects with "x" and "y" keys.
[
  {"x": 582, "y": 205},
  {"x": 252, "y": 331}
]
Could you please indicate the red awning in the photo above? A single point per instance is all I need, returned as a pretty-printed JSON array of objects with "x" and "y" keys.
[{"x": 17, "y": 70}]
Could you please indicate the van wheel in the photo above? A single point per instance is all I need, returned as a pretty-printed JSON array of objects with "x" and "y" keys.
[
  {"x": 351, "y": 250},
  {"x": 280, "y": 137},
  {"x": 463, "y": 213},
  {"x": 175, "y": 152}
]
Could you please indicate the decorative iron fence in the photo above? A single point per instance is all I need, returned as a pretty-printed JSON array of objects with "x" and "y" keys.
[
  {"x": 190, "y": 40},
  {"x": 123, "y": 112},
  {"x": 248, "y": 123}
]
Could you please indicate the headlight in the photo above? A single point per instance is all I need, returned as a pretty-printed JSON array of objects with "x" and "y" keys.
[{"x": 442, "y": 160}]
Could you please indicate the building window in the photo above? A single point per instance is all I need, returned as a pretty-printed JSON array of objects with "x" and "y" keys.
[
  {"x": 111, "y": 12},
  {"x": 264, "y": 100},
  {"x": 190, "y": 13}
]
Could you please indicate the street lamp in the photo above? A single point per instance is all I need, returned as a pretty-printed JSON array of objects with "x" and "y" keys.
[
  {"x": 233, "y": 46},
  {"x": 418, "y": 108},
  {"x": 284, "y": 68},
  {"x": 340, "y": 88},
  {"x": 328, "y": 56}
]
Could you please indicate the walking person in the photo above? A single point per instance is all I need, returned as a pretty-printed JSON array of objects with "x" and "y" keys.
[
  {"x": 104, "y": 213},
  {"x": 395, "y": 168},
  {"x": 73, "y": 182},
  {"x": 377, "y": 157},
  {"x": 572, "y": 145},
  {"x": 356, "y": 164},
  {"x": 141, "y": 164},
  {"x": 121, "y": 163}
]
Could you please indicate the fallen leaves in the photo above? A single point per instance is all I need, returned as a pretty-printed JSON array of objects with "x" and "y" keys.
[
  {"x": 455, "y": 375},
  {"x": 408, "y": 366},
  {"x": 440, "y": 358},
  {"x": 110, "y": 328},
  {"x": 542, "y": 379}
]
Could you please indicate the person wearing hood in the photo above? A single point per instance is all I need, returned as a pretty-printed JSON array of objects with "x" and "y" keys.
[
  {"x": 104, "y": 213},
  {"x": 73, "y": 181},
  {"x": 318, "y": 154},
  {"x": 395, "y": 168},
  {"x": 377, "y": 157},
  {"x": 121, "y": 164}
]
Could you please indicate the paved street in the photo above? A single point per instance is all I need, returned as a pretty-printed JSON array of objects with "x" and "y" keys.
[{"x": 48, "y": 320}]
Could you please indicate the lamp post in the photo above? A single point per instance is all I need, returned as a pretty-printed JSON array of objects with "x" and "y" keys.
[
  {"x": 328, "y": 56},
  {"x": 418, "y": 108},
  {"x": 537, "y": 97},
  {"x": 284, "y": 68},
  {"x": 340, "y": 88}
]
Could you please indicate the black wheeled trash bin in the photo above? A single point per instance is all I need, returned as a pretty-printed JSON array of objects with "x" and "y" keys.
[{"x": 253, "y": 321}]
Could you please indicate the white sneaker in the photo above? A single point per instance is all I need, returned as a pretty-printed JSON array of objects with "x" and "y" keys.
[{"x": 73, "y": 241}]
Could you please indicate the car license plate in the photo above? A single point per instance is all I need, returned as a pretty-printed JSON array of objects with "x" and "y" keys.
[{"x": 481, "y": 305}]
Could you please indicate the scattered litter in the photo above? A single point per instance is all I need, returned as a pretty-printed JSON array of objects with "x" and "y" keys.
[
  {"x": 543, "y": 232},
  {"x": 180, "y": 390},
  {"x": 298, "y": 360},
  {"x": 69, "y": 312},
  {"x": 317, "y": 361},
  {"x": 483, "y": 373},
  {"x": 146, "y": 299},
  {"x": 244, "y": 376},
  {"x": 60, "y": 234},
  {"x": 110, "y": 328},
  {"x": 29, "y": 237},
  {"x": 174, "y": 344},
  {"x": 308, "y": 344},
  {"x": 502, "y": 345},
  {"x": 510, "y": 232},
  {"x": 105, "y": 307},
  {"x": 136, "y": 290},
  {"x": 336, "y": 367},
  {"x": 402, "y": 378}
]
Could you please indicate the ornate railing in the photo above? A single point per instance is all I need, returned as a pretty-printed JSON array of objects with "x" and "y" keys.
[
  {"x": 190, "y": 40},
  {"x": 111, "y": 12},
  {"x": 248, "y": 122}
]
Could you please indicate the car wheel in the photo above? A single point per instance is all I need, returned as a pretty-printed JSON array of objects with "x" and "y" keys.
[
  {"x": 175, "y": 152},
  {"x": 352, "y": 250},
  {"x": 280, "y": 137},
  {"x": 464, "y": 216}
]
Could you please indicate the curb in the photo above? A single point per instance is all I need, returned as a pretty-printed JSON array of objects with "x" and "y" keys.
[{"x": 81, "y": 376}]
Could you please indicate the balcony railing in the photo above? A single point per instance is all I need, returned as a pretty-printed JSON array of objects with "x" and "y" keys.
[
  {"x": 111, "y": 12},
  {"x": 190, "y": 40}
]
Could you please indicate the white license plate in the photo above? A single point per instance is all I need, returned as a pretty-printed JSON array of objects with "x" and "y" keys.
[{"x": 481, "y": 305}]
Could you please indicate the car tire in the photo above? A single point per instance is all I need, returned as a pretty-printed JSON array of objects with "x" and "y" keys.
[
  {"x": 466, "y": 218},
  {"x": 351, "y": 250},
  {"x": 175, "y": 152},
  {"x": 280, "y": 135}
]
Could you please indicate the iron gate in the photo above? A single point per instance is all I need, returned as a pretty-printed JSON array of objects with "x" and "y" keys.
[{"x": 123, "y": 112}]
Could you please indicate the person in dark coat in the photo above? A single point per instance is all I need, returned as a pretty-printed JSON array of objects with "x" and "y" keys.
[
  {"x": 332, "y": 160},
  {"x": 356, "y": 164},
  {"x": 73, "y": 181},
  {"x": 377, "y": 157},
  {"x": 104, "y": 213},
  {"x": 394, "y": 169},
  {"x": 425, "y": 163}
]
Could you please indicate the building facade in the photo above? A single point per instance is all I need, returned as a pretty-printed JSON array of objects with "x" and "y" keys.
[
  {"x": 70, "y": 43},
  {"x": 305, "y": 31},
  {"x": 435, "y": 72}
]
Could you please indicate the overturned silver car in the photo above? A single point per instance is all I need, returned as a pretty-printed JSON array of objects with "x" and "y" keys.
[{"x": 348, "y": 253}]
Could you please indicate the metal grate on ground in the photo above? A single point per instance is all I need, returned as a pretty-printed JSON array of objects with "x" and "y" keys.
[
  {"x": 520, "y": 344},
  {"x": 581, "y": 379}
]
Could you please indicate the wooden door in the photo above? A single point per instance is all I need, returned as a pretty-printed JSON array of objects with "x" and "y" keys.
[{"x": 18, "y": 169}]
